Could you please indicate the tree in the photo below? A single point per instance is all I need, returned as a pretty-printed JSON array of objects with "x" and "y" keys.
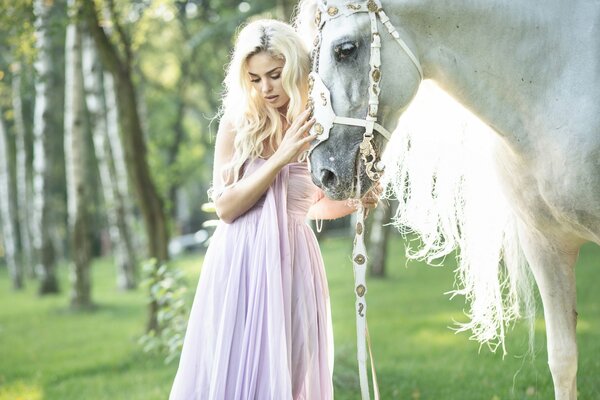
[
  {"x": 378, "y": 239},
  {"x": 23, "y": 173},
  {"x": 76, "y": 162},
  {"x": 7, "y": 210},
  {"x": 120, "y": 66},
  {"x": 114, "y": 200},
  {"x": 45, "y": 127}
]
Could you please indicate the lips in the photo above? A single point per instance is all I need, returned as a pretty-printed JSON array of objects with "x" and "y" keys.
[{"x": 271, "y": 98}]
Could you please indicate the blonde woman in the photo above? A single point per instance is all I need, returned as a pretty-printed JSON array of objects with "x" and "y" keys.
[{"x": 260, "y": 326}]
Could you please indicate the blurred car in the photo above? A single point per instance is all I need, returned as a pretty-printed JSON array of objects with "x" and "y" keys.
[{"x": 187, "y": 243}]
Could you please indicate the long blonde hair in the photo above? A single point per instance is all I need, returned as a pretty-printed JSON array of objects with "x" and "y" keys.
[{"x": 255, "y": 123}]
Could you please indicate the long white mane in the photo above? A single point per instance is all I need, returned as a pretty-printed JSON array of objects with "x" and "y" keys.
[{"x": 440, "y": 167}]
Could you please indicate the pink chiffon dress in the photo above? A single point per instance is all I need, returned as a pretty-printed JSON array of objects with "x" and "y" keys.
[{"x": 260, "y": 323}]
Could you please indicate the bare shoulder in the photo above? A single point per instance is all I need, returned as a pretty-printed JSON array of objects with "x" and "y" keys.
[{"x": 226, "y": 126}]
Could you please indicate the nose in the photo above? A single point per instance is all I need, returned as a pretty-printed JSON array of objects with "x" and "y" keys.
[
  {"x": 328, "y": 178},
  {"x": 266, "y": 86}
]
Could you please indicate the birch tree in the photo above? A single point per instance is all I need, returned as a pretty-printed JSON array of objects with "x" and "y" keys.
[
  {"x": 7, "y": 210},
  {"x": 23, "y": 174},
  {"x": 44, "y": 129},
  {"x": 76, "y": 162},
  {"x": 114, "y": 201}
]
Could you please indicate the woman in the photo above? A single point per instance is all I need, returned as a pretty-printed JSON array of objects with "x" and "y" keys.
[{"x": 260, "y": 325}]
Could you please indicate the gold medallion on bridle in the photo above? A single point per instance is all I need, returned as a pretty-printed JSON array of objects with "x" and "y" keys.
[
  {"x": 359, "y": 229},
  {"x": 332, "y": 11},
  {"x": 372, "y": 6},
  {"x": 318, "y": 128},
  {"x": 359, "y": 259},
  {"x": 360, "y": 290},
  {"x": 353, "y": 7},
  {"x": 376, "y": 74}
]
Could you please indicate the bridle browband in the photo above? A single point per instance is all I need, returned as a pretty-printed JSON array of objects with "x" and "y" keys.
[
  {"x": 320, "y": 102},
  {"x": 320, "y": 97}
]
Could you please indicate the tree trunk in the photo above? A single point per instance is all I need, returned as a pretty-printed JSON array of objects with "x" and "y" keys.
[
  {"x": 7, "y": 211},
  {"x": 43, "y": 130},
  {"x": 120, "y": 234},
  {"x": 136, "y": 241},
  {"x": 132, "y": 138},
  {"x": 378, "y": 239},
  {"x": 23, "y": 174},
  {"x": 76, "y": 163}
]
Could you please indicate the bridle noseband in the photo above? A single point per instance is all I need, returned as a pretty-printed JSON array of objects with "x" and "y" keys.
[{"x": 320, "y": 97}]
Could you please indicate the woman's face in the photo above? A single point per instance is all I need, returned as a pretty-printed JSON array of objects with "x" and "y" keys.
[{"x": 264, "y": 72}]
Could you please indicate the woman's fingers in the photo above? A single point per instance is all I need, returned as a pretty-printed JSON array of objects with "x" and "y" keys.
[
  {"x": 300, "y": 120},
  {"x": 306, "y": 126},
  {"x": 308, "y": 138}
]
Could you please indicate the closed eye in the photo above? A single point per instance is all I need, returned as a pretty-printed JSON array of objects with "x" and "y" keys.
[{"x": 345, "y": 50}]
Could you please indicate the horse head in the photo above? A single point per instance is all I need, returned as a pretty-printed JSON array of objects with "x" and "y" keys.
[{"x": 360, "y": 74}]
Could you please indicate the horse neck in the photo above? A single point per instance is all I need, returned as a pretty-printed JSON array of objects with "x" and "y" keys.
[{"x": 488, "y": 54}]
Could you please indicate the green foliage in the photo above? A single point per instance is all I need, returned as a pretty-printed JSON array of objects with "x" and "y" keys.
[
  {"x": 18, "y": 36},
  {"x": 166, "y": 287}
]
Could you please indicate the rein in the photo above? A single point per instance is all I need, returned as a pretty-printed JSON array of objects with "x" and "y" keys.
[{"x": 320, "y": 103}]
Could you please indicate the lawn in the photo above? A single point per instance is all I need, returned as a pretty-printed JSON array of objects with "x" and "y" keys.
[{"x": 48, "y": 352}]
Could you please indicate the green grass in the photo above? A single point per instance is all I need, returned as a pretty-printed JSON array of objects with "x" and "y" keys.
[{"x": 48, "y": 352}]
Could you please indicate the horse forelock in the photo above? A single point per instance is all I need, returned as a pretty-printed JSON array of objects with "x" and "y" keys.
[{"x": 304, "y": 21}]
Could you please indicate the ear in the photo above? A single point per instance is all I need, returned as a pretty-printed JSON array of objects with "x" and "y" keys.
[{"x": 304, "y": 21}]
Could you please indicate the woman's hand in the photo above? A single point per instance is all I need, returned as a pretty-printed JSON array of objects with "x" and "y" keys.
[{"x": 296, "y": 140}]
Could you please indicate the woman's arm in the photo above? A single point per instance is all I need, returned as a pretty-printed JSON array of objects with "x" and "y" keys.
[
  {"x": 234, "y": 200},
  {"x": 325, "y": 208}
]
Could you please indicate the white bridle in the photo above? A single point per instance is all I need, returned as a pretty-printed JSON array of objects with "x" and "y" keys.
[
  {"x": 320, "y": 97},
  {"x": 320, "y": 102}
]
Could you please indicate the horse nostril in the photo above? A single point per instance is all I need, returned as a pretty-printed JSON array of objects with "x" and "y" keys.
[{"x": 328, "y": 178}]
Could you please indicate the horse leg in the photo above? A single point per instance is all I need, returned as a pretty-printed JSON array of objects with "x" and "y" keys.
[{"x": 552, "y": 265}]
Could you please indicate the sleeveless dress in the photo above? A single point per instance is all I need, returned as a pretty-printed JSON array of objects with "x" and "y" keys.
[{"x": 260, "y": 323}]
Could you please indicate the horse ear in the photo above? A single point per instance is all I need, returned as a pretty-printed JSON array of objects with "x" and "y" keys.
[{"x": 304, "y": 21}]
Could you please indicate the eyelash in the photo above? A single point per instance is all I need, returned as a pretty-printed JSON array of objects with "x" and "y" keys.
[{"x": 258, "y": 80}]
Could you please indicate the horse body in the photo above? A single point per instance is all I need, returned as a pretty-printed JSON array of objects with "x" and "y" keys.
[{"x": 528, "y": 70}]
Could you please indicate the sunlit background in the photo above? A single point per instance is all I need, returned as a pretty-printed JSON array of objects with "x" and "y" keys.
[{"x": 107, "y": 121}]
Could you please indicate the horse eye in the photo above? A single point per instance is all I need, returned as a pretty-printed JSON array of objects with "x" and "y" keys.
[{"x": 344, "y": 50}]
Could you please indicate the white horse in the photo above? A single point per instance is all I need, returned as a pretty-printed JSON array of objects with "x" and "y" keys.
[{"x": 531, "y": 71}]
